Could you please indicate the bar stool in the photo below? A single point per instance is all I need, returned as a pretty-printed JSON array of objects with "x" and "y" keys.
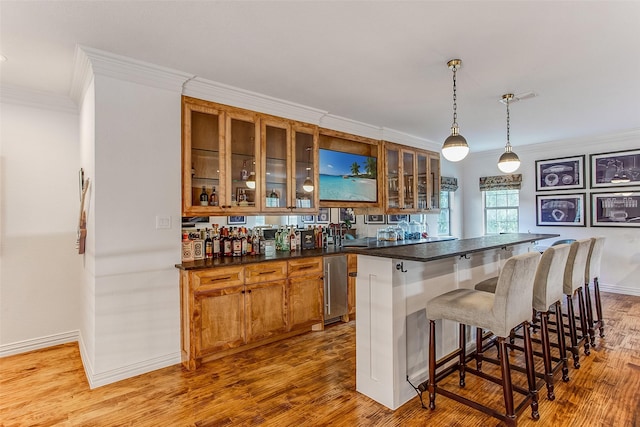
[
  {"x": 592, "y": 272},
  {"x": 547, "y": 292},
  {"x": 509, "y": 307},
  {"x": 574, "y": 279}
]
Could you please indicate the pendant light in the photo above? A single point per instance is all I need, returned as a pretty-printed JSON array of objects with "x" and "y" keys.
[
  {"x": 307, "y": 185},
  {"x": 509, "y": 161},
  {"x": 455, "y": 147}
]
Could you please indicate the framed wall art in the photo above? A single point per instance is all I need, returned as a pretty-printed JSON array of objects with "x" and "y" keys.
[
  {"x": 307, "y": 219},
  {"x": 394, "y": 219},
  {"x": 236, "y": 220},
  {"x": 374, "y": 219},
  {"x": 560, "y": 209},
  {"x": 324, "y": 216},
  {"x": 566, "y": 173},
  {"x": 347, "y": 214},
  {"x": 615, "y": 169},
  {"x": 615, "y": 209}
]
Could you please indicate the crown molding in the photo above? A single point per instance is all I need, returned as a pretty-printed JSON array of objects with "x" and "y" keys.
[
  {"x": 90, "y": 62},
  {"x": 241, "y": 98},
  {"x": 343, "y": 124},
  {"x": 19, "y": 95},
  {"x": 398, "y": 137}
]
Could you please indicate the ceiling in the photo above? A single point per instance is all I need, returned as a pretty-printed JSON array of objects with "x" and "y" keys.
[{"x": 378, "y": 62}]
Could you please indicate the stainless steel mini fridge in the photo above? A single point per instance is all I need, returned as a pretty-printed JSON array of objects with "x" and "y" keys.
[{"x": 335, "y": 287}]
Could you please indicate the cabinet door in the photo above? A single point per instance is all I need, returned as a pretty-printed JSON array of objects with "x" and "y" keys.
[
  {"x": 305, "y": 169},
  {"x": 276, "y": 161},
  {"x": 408, "y": 180},
  {"x": 218, "y": 320},
  {"x": 305, "y": 301},
  {"x": 202, "y": 154},
  {"x": 266, "y": 313},
  {"x": 352, "y": 271},
  {"x": 424, "y": 181},
  {"x": 243, "y": 147},
  {"x": 434, "y": 188},
  {"x": 394, "y": 186}
]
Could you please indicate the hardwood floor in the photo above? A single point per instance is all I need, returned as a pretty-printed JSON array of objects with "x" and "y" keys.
[{"x": 308, "y": 380}]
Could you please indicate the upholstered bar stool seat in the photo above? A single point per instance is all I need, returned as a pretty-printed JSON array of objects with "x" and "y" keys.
[
  {"x": 592, "y": 273},
  {"x": 574, "y": 280},
  {"x": 547, "y": 292},
  {"x": 498, "y": 312}
]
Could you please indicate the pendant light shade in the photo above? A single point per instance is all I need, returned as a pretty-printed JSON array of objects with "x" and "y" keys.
[
  {"x": 509, "y": 161},
  {"x": 455, "y": 147}
]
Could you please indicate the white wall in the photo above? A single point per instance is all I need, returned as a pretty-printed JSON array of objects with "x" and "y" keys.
[
  {"x": 39, "y": 264},
  {"x": 621, "y": 261}
]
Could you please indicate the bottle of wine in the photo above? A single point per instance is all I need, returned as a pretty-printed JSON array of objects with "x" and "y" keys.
[
  {"x": 226, "y": 242},
  {"x": 236, "y": 243},
  {"x": 244, "y": 241},
  {"x": 208, "y": 246},
  {"x": 217, "y": 253},
  {"x": 213, "y": 198},
  {"x": 293, "y": 243},
  {"x": 244, "y": 174},
  {"x": 204, "y": 197}
]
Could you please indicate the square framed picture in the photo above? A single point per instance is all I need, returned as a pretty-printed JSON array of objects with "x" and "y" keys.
[
  {"x": 324, "y": 216},
  {"x": 236, "y": 220},
  {"x": 615, "y": 209},
  {"x": 307, "y": 219},
  {"x": 347, "y": 214},
  {"x": 615, "y": 169},
  {"x": 394, "y": 219},
  {"x": 374, "y": 219},
  {"x": 560, "y": 209},
  {"x": 565, "y": 173}
]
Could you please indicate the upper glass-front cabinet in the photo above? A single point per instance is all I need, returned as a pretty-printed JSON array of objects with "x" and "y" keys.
[
  {"x": 305, "y": 169},
  {"x": 274, "y": 182},
  {"x": 243, "y": 143}
]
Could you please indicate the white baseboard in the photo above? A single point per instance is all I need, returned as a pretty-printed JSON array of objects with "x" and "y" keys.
[
  {"x": 625, "y": 290},
  {"x": 124, "y": 372},
  {"x": 38, "y": 343}
]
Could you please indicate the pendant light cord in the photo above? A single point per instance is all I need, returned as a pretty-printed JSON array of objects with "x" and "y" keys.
[
  {"x": 455, "y": 104},
  {"x": 508, "y": 148}
]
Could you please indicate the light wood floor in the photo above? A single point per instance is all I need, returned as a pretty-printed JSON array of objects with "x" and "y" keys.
[{"x": 307, "y": 381}]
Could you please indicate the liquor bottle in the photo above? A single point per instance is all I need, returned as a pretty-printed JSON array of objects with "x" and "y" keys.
[
  {"x": 226, "y": 243},
  {"x": 250, "y": 250},
  {"x": 193, "y": 170},
  {"x": 204, "y": 197},
  {"x": 274, "y": 200},
  {"x": 278, "y": 240},
  {"x": 217, "y": 253},
  {"x": 298, "y": 239},
  {"x": 244, "y": 174},
  {"x": 256, "y": 242},
  {"x": 292, "y": 240},
  {"x": 208, "y": 246},
  {"x": 244, "y": 243},
  {"x": 236, "y": 243},
  {"x": 213, "y": 198},
  {"x": 284, "y": 237}
]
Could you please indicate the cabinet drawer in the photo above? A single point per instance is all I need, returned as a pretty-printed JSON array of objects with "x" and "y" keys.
[
  {"x": 265, "y": 272},
  {"x": 304, "y": 266},
  {"x": 215, "y": 278}
]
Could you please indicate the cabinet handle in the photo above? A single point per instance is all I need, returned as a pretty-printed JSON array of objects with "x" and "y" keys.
[
  {"x": 267, "y": 272},
  {"x": 305, "y": 267},
  {"x": 220, "y": 278}
]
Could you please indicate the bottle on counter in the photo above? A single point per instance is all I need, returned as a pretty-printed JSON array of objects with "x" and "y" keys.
[
  {"x": 255, "y": 243},
  {"x": 292, "y": 240},
  {"x": 217, "y": 252},
  {"x": 208, "y": 246},
  {"x": 242, "y": 235},
  {"x": 284, "y": 240},
  {"x": 213, "y": 198},
  {"x": 236, "y": 243},
  {"x": 204, "y": 197},
  {"x": 298, "y": 238},
  {"x": 226, "y": 243}
]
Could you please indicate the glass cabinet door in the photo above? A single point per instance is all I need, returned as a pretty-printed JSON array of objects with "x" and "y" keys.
[
  {"x": 423, "y": 181},
  {"x": 243, "y": 147},
  {"x": 393, "y": 185},
  {"x": 434, "y": 171},
  {"x": 202, "y": 154},
  {"x": 305, "y": 182},
  {"x": 408, "y": 180},
  {"x": 275, "y": 149}
]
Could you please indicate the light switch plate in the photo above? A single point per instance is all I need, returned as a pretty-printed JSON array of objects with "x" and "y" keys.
[{"x": 163, "y": 222}]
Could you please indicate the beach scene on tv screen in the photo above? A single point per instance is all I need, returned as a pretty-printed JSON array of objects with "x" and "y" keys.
[{"x": 346, "y": 176}]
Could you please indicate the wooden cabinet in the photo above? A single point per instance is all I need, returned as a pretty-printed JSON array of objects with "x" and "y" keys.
[
  {"x": 228, "y": 309},
  {"x": 352, "y": 271},
  {"x": 255, "y": 162},
  {"x": 411, "y": 179},
  {"x": 306, "y": 292}
]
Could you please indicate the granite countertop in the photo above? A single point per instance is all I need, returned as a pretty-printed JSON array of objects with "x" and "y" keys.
[
  {"x": 349, "y": 246},
  {"x": 444, "y": 249}
]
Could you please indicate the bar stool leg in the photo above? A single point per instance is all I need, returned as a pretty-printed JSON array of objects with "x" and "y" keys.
[
  {"x": 531, "y": 373},
  {"x": 583, "y": 321},
  {"x": 572, "y": 332},
  {"x": 562, "y": 348},
  {"x": 589, "y": 309},
  {"x": 596, "y": 291},
  {"x": 546, "y": 355},
  {"x": 432, "y": 364},
  {"x": 463, "y": 354},
  {"x": 479, "y": 349},
  {"x": 507, "y": 388}
]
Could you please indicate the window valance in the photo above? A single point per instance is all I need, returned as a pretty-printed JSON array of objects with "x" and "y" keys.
[
  {"x": 501, "y": 182},
  {"x": 448, "y": 183}
]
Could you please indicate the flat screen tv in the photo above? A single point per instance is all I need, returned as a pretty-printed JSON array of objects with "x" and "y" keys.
[{"x": 347, "y": 177}]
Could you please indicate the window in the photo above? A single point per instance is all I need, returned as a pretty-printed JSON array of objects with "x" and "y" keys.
[
  {"x": 501, "y": 211},
  {"x": 444, "y": 219}
]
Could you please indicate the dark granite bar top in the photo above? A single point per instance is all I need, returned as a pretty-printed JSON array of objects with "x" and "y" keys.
[
  {"x": 349, "y": 246},
  {"x": 444, "y": 249}
]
